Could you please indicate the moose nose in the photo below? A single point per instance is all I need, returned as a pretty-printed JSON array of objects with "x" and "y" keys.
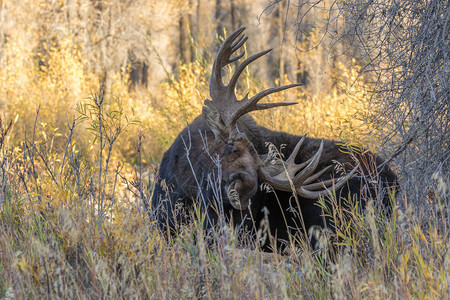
[{"x": 242, "y": 186}]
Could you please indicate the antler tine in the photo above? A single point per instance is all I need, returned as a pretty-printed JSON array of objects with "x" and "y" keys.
[
  {"x": 310, "y": 168},
  {"x": 306, "y": 190},
  {"x": 315, "y": 176},
  {"x": 260, "y": 95},
  {"x": 249, "y": 105},
  {"x": 290, "y": 166},
  {"x": 242, "y": 67},
  {"x": 236, "y": 57},
  {"x": 238, "y": 44},
  {"x": 229, "y": 46},
  {"x": 294, "y": 153}
]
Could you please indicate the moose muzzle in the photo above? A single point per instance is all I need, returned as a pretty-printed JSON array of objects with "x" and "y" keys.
[{"x": 241, "y": 189}]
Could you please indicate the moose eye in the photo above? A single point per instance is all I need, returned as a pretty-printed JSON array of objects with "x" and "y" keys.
[{"x": 229, "y": 148}]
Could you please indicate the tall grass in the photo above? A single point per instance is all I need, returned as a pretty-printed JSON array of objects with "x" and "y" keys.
[{"x": 76, "y": 174}]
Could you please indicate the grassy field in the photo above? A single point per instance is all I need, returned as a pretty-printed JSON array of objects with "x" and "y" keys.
[{"x": 76, "y": 173}]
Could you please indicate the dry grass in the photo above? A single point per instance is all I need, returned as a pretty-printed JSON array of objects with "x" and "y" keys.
[{"x": 76, "y": 177}]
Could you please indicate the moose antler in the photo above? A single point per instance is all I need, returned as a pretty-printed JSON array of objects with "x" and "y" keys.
[
  {"x": 286, "y": 173},
  {"x": 223, "y": 96}
]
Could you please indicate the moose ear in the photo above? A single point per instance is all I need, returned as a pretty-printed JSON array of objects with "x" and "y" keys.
[{"x": 212, "y": 117}]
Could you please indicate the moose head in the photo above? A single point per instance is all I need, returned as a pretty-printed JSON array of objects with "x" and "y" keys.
[{"x": 242, "y": 167}]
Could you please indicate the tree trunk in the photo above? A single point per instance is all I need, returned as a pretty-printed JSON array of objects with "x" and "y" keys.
[
  {"x": 71, "y": 16},
  {"x": 184, "y": 28},
  {"x": 219, "y": 16},
  {"x": 281, "y": 29},
  {"x": 233, "y": 16}
]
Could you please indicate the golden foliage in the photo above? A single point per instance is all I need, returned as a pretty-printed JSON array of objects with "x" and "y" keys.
[{"x": 72, "y": 221}]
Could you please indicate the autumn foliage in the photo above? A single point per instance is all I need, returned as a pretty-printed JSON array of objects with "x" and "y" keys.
[{"x": 80, "y": 145}]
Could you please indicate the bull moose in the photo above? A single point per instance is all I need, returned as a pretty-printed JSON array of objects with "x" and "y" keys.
[{"x": 221, "y": 161}]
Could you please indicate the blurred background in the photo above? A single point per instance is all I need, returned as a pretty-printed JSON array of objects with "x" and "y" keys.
[
  {"x": 373, "y": 75},
  {"x": 156, "y": 58}
]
